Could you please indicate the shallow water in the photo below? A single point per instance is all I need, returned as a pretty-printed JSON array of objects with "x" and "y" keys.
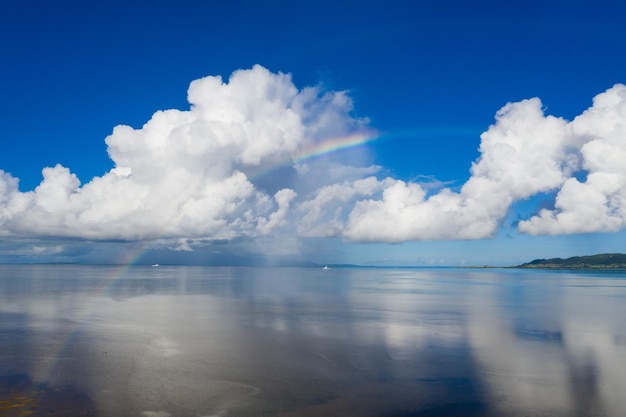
[{"x": 206, "y": 341}]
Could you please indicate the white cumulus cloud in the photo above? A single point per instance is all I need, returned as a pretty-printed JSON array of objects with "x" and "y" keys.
[
  {"x": 524, "y": 153},
  {"x": 598, "y": 203},
  {"x": 230, "y": 167},
  {"x": 187, "y": 173}
]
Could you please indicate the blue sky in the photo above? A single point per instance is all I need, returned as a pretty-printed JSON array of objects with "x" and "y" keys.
[{"x": 419, "y": 81}]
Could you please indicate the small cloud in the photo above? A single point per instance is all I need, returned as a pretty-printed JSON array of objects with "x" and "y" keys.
[{"x": 47, "y": 250}]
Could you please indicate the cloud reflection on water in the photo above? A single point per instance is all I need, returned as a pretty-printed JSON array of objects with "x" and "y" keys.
[{"x": 228, "y": 341}]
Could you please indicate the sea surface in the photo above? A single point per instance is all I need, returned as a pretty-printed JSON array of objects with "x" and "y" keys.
[{"x": 241, "y": 341}]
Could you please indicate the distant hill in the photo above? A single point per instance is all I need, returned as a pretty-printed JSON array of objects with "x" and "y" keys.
[{"x": 601, "y": 261}]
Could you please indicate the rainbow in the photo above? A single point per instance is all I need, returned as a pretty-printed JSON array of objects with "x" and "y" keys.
[
  {"x": 324, "y": 147},
  {"x": 46, "y": 370},
  {"x": 328, "y": 146},
  {"x": 312, "y": 151}
]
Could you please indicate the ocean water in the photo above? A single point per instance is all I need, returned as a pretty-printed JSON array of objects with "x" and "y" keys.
[{"x": 207, "y": 341}]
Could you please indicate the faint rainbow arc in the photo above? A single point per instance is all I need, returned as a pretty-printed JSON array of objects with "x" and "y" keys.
[
  {"x": 356, "y": 139},
  {"x": 117, "y": 272},
  {"x": 310, "y": 152},
  {"x": 328, "y": 146},
  {"x": 319, "y": 149}
]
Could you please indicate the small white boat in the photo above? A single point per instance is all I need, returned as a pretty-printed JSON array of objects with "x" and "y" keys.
[
  {"x": 155, "y": 264},
  {"x": 325, "y": 267}
]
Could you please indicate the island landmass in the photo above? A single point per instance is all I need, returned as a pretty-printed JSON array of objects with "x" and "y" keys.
[{"x": 610, "y": 261}]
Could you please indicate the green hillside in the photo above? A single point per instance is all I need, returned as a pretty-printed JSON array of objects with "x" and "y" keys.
[{"x": 601, "y": 261}]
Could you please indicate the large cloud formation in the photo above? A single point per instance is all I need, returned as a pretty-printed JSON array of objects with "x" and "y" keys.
[
  {"x": 203, "y": 173},
  {"x": 183, "y": 174},
  {"x": 524, "y": 153}
]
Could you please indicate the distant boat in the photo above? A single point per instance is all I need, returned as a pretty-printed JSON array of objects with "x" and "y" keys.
[
  {"x": 325, "y": 267},
  {"x": 155, "y": 264}
]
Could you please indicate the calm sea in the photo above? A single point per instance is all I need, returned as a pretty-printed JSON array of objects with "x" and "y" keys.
[{"x": 206, "y": 341}]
